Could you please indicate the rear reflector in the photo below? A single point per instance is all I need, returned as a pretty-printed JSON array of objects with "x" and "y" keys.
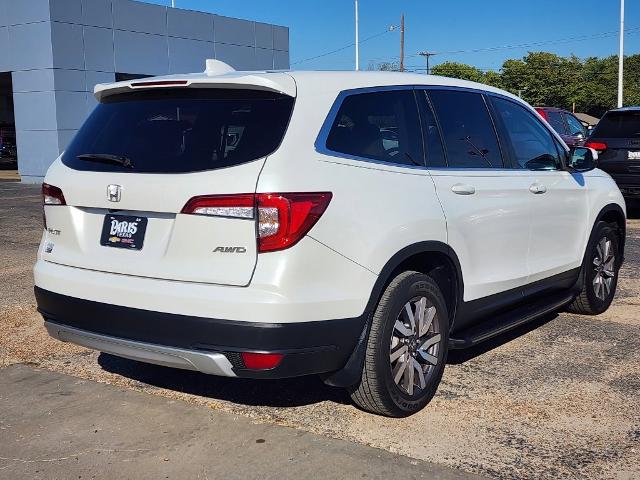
[
  {"x": 261, "y": 361},
  {"x": 283, "y": 218},
  {"x": 600, "y": 146}
]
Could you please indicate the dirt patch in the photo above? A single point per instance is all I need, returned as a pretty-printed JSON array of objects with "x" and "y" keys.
[{"x": 557, "y": 399}]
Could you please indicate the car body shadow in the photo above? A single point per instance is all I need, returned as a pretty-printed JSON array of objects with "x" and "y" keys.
[
  {"x": 291, "y": 392},
  {"x": 457, "y": 357}
]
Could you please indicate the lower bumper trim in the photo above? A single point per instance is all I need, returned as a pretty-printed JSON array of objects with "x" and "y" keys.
[{"x": 205, "y": 362}]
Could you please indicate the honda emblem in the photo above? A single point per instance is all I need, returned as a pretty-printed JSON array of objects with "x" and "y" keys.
[{"x": 114, "y": 192}]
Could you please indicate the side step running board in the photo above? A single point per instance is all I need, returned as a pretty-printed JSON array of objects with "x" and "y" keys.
[{"x": 509, "y": 320}]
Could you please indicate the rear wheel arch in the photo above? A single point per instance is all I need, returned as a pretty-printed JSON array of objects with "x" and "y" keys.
[{"x": 434, "y": 258}]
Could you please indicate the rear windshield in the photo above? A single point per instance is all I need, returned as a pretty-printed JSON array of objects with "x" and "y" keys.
[
  {"x": 179, "y": 130},
  {"x": 618, "y": 125}
]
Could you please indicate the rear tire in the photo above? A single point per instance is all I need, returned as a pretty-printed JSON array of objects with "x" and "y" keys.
[
  {"x": 599, "y": 272},
  {"x": 407, "y": 348}
]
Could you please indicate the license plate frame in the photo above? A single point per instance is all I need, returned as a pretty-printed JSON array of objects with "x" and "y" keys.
[{"x": 123, "y": 231}]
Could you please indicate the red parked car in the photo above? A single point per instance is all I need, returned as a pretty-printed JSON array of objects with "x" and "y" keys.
[{"x": 566, "y": 124}]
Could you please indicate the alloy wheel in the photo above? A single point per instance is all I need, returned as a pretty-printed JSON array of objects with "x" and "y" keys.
[
  {"x": 604, "y": 267},
  {"x": 415, "y": 341}
]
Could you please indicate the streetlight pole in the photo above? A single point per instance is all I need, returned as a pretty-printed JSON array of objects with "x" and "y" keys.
[
  {"x": 357, "y": 40},
  {"x": 621, "y": 55},
  {"x": 173, "y": 3}
]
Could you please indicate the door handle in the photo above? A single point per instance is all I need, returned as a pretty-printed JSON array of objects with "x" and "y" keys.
[
  {"x": 538, "y": 188},
  {"x": 463, "y": 189}
]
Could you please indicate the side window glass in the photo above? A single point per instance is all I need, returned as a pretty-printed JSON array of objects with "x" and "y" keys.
[
  {"x": 432, "y": 140},
  {"x": 531, "y": 143},
  {"x": 467, "y": 129},
  {"x": 382, "y": 126},
  {"x": 556, "y": 122},
  {"x": 575, "y": 127}
]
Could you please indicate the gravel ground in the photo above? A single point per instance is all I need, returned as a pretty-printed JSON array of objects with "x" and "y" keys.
[{"x": 556, "y": 399}]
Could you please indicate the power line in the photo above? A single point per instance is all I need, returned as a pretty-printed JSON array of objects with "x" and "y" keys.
[
  {"x": 389, "y": 29},
  {"x": 580, "y": 38}
]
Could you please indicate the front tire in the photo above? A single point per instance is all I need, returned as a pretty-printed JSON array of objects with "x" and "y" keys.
[
  {"x": 599, "y": 272},
  {"x": 407, "y": 348}
]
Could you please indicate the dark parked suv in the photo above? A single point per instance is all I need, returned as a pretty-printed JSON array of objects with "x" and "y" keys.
[
  {"x": 566, "y": 124},
  {"x": 617, "y": 140}
]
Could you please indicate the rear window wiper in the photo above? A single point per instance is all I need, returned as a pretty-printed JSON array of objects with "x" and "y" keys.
[{"x": 107, "y": 158}]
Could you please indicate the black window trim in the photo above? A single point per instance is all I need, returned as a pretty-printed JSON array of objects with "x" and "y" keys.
[
  {"x": 321, "y": 140},
  {"x": 424, "y": 102}
]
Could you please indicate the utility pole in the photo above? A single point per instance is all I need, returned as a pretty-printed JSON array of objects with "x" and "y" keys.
[
  {"x": 357, "y": 40},
  {"x": 621, "y": 55},
  {"x": 427, "y": 55},
  {"x": 402, "y": 43}
]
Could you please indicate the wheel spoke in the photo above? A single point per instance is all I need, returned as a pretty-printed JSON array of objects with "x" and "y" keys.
[
  {"x": 600, "y": 252},
  {"x": 397, "y": 353},
  {"x": 606, "y": 248},
  {"x": 402, "y": 329},
  {"x": 418, "y": 368},
  {"x": 430, "y": 342},
  {"x": 408, "y": 377},
  {"x": 432, "y": 359},
  {"x": 607, "y": 286},
  {"x": 399, "y": 369},
  {"x": 598, "y": 286},
  {"x": 412, "y": 320},
  {"x": 428, "y": 320},
  {"x": 421, "y": 305},
  {"x": 609, "y": 266}
]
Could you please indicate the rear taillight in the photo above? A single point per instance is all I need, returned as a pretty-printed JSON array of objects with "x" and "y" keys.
[
  {"x": 233, "y": 206},
  {"x": 283, "y": 218},
  {"x": 600, "y": 146},
  {"x": 51, "y": 196},
  {"x": 543, "y": 113}
]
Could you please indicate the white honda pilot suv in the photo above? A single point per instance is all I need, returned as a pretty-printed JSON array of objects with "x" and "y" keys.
[{"x": 356, "y": 225}]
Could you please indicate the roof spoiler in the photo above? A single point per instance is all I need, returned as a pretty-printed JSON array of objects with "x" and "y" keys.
[{"x": 217, "y": 74}]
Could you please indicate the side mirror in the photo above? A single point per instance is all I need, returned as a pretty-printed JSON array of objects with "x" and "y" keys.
[{"x": 583, "y": 159}]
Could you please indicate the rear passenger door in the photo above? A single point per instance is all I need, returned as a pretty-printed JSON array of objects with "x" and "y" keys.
[{"x": 487, "y": 205}]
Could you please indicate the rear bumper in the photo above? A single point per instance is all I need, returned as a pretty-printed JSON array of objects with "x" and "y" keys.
[
  {"x": 211, "y": 363},
  {"x": 195, "y": 343}
]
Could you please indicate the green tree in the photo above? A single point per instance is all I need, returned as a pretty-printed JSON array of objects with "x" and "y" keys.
[
  {"x": 546, "y": 79},
  {"x": 458, "y": 70}
]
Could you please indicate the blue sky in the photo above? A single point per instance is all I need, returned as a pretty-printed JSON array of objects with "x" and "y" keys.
[{"x": 320, "y": 26}]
